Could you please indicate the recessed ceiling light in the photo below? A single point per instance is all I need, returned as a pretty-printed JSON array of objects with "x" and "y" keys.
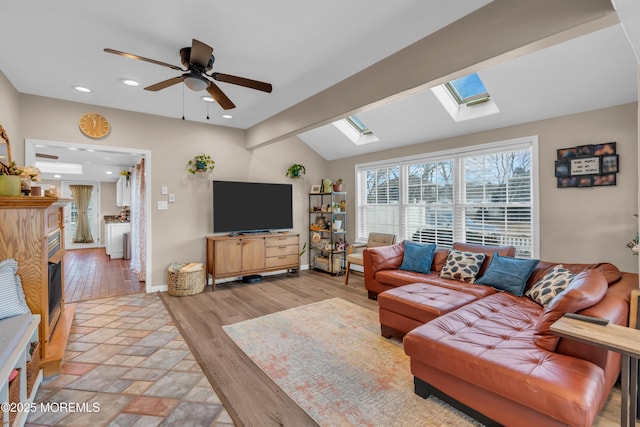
[
  {"x": 109, "y": 172},
  {"x": 91, "y": 150},
  {"x": 130, "y": 82},
  {"x": 72, "y": 149},
  {"x": 82, "y": 89},
  {"x": 227, "y": 116},
  {"x": 207, "y": 98},
  {"x": 57, "y": 176}
]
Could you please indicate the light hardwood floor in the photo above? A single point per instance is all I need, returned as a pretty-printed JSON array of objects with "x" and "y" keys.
[
  {"x": 91, "y": 274},
  {"x": 249, "y": 396}
]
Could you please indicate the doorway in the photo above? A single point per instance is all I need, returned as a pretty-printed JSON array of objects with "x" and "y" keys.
[
  {"x": 71, "y": 216},
  {"x": 94, "y": 158}
]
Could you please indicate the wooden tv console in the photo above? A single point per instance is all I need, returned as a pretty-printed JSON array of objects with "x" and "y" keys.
[{"x": 248, "y": 254}]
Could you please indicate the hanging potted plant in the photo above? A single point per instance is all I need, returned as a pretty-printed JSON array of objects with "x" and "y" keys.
[
  {"x": 296, "y": 171},
  {"x": 201, "y": 163}
]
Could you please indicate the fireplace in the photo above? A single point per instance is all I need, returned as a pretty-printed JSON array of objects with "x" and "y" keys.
[{"x": 55, "y": 292}]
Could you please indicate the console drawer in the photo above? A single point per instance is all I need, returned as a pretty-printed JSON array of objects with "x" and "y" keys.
[
  {"x": 282, "y": 261},
  {"x": 281, "y": 250},
  {"x": 282, "y": 240}
]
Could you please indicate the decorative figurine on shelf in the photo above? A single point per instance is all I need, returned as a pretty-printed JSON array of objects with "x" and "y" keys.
[{"x": 326, "y": 185}]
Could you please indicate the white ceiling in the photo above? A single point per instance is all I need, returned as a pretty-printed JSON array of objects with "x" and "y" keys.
[{"x": 48, "y": 47}]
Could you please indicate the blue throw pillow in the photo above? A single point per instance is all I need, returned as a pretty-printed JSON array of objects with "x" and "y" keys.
[
  {"x": 508, "y": 274},
  {"x": 418, "y": 257}
]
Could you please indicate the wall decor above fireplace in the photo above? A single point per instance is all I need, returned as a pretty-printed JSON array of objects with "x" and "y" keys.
[{"x": 587, "y": 165}]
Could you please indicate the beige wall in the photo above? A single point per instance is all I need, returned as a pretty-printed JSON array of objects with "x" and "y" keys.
[
  {"x": 576, "y": 224},
  {"x": 10, "y": 113},
  {"x": 177, "y": 234}
]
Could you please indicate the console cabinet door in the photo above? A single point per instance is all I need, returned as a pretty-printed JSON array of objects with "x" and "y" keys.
[
  {"x": 228, "y": 256},
  {"x": 253, "y": 253}
]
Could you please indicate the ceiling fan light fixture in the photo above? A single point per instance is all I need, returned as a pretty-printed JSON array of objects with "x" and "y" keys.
[
  {"x": 195, "y": 82},
  {"x": 207, "y": 99}
]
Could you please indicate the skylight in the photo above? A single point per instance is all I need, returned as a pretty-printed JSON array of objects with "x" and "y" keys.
[
  {"x": 465, "y": 98},
  {"x": 358, "y": 125},
  {"x": 355, "y": 129},
  {"x": 468, "y": 90}
]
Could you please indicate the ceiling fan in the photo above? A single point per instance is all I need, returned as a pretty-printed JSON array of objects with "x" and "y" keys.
[{"x": 197, "y": 60}]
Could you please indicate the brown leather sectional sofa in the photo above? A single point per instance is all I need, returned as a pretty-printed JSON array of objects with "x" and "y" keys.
[{"x": 490, "y": 353}]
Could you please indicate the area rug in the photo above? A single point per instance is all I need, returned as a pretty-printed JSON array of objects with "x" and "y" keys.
[{"x": 330, "y": 359}]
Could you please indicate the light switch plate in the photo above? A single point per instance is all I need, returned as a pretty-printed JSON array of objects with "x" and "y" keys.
[
  {"x": 172, "y": 198},
  {"x": 165, "y": 190},
  {"x": 163, "y": 205}
]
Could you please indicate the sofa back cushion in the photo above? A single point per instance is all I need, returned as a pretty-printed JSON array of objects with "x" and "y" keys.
[
  {"x": 439, "y": 259},
  {"x": 487, "y": 250},
  {"x": 386, "y": 257},
  {"x": 585, "y": 290},
  {"x": 610, "y": 271}
]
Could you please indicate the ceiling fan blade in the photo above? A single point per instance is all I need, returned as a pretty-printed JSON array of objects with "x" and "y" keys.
[
  {"x": 200, "y": 53},
  {"x": 241, "y": 81},
  {"x": 165, "y": 84},
  {"x": 46, "y": 156},
  {"x": 220, "y": 97},
  {"x": 142, "y": 58}
]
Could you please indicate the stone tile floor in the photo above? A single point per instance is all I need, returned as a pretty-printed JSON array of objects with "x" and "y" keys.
[{"x": 126, "y": 365}]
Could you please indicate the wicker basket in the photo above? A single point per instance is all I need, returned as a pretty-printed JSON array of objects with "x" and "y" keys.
[
  {"x": 14, "y": 395},
  {"x": 183, "y": 283},
  {"x": 33, "y": 367}
]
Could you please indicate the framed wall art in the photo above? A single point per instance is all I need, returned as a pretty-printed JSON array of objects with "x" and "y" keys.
[{"x": 591, "y": 165}]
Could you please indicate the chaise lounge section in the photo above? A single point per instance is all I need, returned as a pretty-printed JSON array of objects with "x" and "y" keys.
[{"x": 489, "y": 351}]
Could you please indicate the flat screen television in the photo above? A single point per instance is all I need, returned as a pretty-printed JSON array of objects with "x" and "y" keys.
[{"x": 251, "y": 206}]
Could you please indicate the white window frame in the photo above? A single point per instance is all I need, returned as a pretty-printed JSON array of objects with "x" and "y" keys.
[{"x": 481, "y": 149}]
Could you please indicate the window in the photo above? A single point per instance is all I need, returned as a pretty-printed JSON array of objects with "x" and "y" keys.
[
  {"x": 357, "y": 124},
  {"x": 468, "y": 90},
  {"x": 465, "y": 98},
  {"x": 379, "y": 197},
  {"x": 354, "y": 129},
  {"x": 483, "y": 195}
]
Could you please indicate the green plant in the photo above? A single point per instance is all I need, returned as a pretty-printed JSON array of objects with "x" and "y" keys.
[
  {"x": 338, "y": 181},
  {"x": 303, "y": 250},
  {"x": 201, "y": 163},
  {"x": 296, "y": 171}
]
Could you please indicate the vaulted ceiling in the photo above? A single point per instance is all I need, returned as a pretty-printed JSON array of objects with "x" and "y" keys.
[{"x": 48, "y": 47}]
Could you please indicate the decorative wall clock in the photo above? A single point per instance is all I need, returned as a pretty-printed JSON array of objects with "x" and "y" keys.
[{"x": 94, "y": 125}]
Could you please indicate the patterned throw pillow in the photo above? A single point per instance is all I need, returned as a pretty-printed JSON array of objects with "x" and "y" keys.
[
  {"x": 554, "y": 282},
  {"x": 462, "y": 266}
]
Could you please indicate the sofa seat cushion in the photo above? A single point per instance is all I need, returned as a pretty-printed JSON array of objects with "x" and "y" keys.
[
  {"x": 611, "y": 273},
  {"x": 398, "y": 278},
  {"x": 489, "y": 343},
  {"x": 422, "y": 302}
]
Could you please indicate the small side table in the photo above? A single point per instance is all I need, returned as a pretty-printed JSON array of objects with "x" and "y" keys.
[{"x": 620, "y": 339}]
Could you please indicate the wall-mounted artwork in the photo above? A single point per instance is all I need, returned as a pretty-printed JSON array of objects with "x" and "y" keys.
[{"x": 587, "y": 165}]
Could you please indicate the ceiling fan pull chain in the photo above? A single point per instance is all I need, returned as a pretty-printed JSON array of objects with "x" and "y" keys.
[{"x": 182, "y": 102}]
